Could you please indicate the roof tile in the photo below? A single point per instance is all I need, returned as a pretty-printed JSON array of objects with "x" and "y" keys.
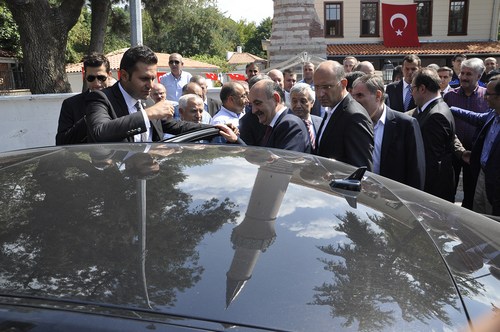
[{"x": 424, "y": 49}]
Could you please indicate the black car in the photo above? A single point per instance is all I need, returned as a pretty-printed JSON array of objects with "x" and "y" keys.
[{"x": 195, "y": 237}]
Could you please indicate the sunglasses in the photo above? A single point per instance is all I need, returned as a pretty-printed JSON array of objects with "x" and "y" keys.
[
  {"x": 91, "y": 78},
  {"x": 173, "y": 62}
]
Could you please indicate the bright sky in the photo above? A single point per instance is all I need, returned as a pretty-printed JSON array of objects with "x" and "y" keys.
[{"x": 251, "y": 11}]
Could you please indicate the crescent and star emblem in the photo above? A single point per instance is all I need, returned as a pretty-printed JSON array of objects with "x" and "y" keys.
[{"x": 402, "y": 17}]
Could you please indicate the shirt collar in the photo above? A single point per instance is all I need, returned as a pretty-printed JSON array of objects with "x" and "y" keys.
[
  {"x": 427, "y": 103},
  {"x": 129, "y": 100},
  {"x": 273, "y": 122}
]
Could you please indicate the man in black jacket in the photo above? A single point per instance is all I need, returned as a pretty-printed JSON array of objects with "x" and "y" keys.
[{"x": 72, "y": 128}]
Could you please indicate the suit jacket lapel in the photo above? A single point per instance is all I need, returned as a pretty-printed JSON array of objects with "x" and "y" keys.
[{"x": 389, "y": 132}]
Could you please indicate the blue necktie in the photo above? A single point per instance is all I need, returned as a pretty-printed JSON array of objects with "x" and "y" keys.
[{"x": 407, "y": 98}]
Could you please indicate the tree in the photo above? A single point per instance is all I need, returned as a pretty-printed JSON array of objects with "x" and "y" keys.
[
  {"x": 254, "y": 43},
  {"x": 43, "y": 31},
  {"x": 100, "y": 12},
  {"x": 9, "y": 35}
]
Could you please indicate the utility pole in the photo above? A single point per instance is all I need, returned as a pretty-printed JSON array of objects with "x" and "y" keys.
[{"x": 135, "y": 23}]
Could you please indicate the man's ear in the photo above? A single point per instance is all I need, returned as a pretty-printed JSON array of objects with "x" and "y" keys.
[
  {"x": 276, "y": 97},
  {"x": 124, "y": 75}
]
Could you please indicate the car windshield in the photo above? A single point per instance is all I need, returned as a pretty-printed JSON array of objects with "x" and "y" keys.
[{"x": 216, "y": 232}]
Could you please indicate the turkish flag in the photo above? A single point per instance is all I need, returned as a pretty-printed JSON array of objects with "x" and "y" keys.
[
  {"x": 211, "y": 76},
  {"x": 236, "y": 77},
  {"x": 399, "y": 23}
]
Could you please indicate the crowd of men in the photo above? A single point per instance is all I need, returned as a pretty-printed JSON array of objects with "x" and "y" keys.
[{"x": 422, "y": 130}]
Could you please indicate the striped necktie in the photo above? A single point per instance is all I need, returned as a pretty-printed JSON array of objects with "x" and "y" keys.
[
  {"x": 407, "y": 98},
  {"x": 312, "y": 135}
]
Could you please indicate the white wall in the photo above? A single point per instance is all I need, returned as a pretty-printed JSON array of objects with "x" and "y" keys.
[{"x": 31, "y": 121}]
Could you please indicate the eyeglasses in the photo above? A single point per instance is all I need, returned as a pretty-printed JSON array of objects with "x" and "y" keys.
[
  {"x": 240, "y": 96},
  {"x": 174, "y": 62},
  {"x": 91, "y": 78},
  {"x": 326, "y": 86}
]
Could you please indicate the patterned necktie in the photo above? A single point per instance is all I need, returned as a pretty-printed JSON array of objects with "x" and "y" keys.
[
  {"x": 407, "y": 97},
  {"x": 144, "y": 135},
  {"x": 264, "y": 139},
  {"x": 310, "y": 129}
]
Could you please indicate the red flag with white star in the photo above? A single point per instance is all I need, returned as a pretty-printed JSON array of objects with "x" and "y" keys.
[{"x": 399, "y": 23}]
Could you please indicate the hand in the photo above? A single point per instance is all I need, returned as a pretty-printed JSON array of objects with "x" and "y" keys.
[
  {"x": 227, "y": 133},
  {"x": 233, "y": 128},
  {"x": 160, "y": 110},
  {"x": 466, "y": 157}
]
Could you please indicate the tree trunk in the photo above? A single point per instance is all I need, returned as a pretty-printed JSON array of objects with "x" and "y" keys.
[
  {"x": 100, "y": 13},
  {"x": 43, "y": 30}
]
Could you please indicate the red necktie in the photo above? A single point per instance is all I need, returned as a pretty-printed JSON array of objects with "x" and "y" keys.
[{"x": 264, "y": 139}]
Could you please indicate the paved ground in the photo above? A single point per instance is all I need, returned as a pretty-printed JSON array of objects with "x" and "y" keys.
[{"x": 460, "y": 194}]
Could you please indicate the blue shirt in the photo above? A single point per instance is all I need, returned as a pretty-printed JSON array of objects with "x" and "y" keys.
[
  {"x": 174, "y": 85},
  {"x": 489, "y": 140}
]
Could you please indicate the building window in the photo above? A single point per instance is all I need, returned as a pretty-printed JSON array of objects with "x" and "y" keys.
[
  {"x": 333, "y": 19},
  {"x": 369, "y": 18},
  {"x": 424, "y": 17},
  {"x": 457, "y": 24}
]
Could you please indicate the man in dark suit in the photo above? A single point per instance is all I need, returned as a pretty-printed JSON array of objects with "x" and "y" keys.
[
  {"x": 485, "y": 155},
  {"x": 116, "y": 114},
  {"x": 399, "y": 149},
  {"x": 438, "y": 133},
  {"x": 346, "y": 132},
  {"x": 399, "y": 96},
  {"x": 302, "y": 99},
  {"x": 72, "y": 128},
  {"x": 284, "y": 131}
]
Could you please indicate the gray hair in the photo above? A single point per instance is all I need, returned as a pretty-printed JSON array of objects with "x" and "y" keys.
[
  {"x": 184, "y": 100},
  {"x": 373, "y": 83},
  {"x": 476, "y": 64},
  {"x": 305, "y": 89}
]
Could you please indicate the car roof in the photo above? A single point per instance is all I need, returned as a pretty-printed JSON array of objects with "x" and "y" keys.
[{"x": 239, "y": 235}]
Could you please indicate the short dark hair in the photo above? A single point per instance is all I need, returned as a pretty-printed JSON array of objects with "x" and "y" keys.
[
  {"x": 270, "y": 87},
  {"x": 445, "y": 68},
  {"x": 250, "y": 64},
  {"x": 288, "y": 71},
  {"x": 137, "y": 54},
  {"x": 352, "y": 76},
  {"x": 256, "y": 78},
  {"x": 453, "y": 58},
  {"x": 412, "y": 58},
  {"x": 95, "y": 59},
  {"x": 427, "y": 77},
  {"x": 227, "y": 90}
]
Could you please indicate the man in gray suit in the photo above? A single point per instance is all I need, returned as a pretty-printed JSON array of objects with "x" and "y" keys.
[
  {"x": 346, "y": 132},
  {"x": 399, "y": 149},
  {"x": 302, "y": 99}
]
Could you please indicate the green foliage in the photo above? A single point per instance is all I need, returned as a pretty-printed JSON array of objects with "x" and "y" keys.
[
  {"x": 79, "y": 38},
  {"x": 118, "y": 30},
  {"x": 117, "y": 36},
  {"x": 194, "y": 30},
  {"x": 9, "y": 35},
  {"x": 214, "y": 60},
  {"x": 254, "y": 43}
]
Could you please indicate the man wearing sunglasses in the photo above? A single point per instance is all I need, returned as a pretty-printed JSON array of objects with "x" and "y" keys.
[
  {"x": 176, "y": 79},
  {"x": 72, "y": 128}
]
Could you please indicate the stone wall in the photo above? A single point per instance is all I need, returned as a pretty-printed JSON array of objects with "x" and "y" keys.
[{"x": 296, "y": 29}]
